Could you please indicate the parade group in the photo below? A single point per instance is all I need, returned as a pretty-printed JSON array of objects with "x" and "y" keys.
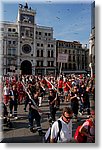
[{"x": 71, "y": 89}]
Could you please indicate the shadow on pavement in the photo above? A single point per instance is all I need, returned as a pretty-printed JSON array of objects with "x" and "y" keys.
[{"x": 23, "y": 139}]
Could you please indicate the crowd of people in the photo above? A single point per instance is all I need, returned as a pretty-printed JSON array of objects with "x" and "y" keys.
[{"x": 31, "y": 90}]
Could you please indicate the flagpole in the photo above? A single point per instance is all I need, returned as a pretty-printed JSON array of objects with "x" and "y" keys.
[
  {"x": 35, "y": 105},
  {"x": 53, "y": 87},
  {"x": 61, "y": 68}
]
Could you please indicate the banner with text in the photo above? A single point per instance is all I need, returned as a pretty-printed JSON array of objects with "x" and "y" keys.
[{"x": 63, "y": 58}]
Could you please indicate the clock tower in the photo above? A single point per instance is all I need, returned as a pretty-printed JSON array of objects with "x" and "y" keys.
[{"x": 26, "y": 38}]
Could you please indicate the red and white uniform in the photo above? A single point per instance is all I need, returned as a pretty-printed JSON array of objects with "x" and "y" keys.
[
  {"x": 49, "y": 85},
  {"x": 20, "y": 92},
  {"x": 60, "y": 84},
  {"x": 66, "y": 88},
  {"x": 6, "y": 94}
]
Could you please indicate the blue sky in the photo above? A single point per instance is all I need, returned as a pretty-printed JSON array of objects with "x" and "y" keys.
[{"x": 70, "y": 20}]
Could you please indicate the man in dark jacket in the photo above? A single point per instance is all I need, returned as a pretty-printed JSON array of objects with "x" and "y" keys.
[{"x": 34, "y": 114}]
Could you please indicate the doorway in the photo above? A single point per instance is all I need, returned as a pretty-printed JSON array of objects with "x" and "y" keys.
[{"x": 26, "y": 67}]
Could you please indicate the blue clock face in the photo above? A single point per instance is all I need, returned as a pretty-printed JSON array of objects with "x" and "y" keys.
[
  {"x": 27, "y": 18},
  {"x": 26, "y": 48}
]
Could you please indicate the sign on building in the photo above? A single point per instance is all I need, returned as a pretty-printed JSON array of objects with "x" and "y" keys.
[
  {"x": 63, "y": 58},
  {"x": 12, "y": 67}
]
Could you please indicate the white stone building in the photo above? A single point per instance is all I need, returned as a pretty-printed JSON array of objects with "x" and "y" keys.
[
  {"x": 92, "y": 41},
  {"x": 26, "y": 47},
  {"x": 76, "y": 54}
]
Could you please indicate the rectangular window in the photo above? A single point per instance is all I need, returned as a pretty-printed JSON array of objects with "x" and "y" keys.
[
  {"x": 83, "y": 66},
  {"x": 14, "y": 42},
  {"x": 48, "y": 53},
  {"x": 14, "y": 30},
  {"x": 65, "y": 51},
  {"x": 74, "y": 58},
  {"x": 41, "y": 53},
  {"x": 48, "y": 45},
  {"x": 1, "y": 29},
  {"x": 48, "y": 63},
  {"x": 49, "y": 34},
  {"x": 9, "y": 51},
  {"x": 51, "y": 45},
  {"x": 37, "y": 53},
  {"x": 9, "y": 42},
  {"x": 39, "y": 33},
  {"x": 41, "y": 45},
  {"x": 65, "y": 65},
  {"x": 45, "y": 34},
  {"x": 73, "y": 52},
  {"x": 52, "y": 53},
  {"x": 9, "y": 61},
  {"x": 12, "y": 51},
  {"x": 38, "y": 44},
  {"x": 9, "y": 29},
  {"x": 52, "y": 63},
  {"x": 69, "y": 57},
  {"x": 39, "y": 63}
]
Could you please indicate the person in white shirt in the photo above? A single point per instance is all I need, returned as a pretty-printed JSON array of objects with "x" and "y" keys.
[
  {"x": 66, "y": 130},
  {"x": 6, "y": 94}
]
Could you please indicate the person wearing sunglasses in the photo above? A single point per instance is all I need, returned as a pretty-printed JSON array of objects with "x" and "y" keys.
[{"x": 66, "y": 129}]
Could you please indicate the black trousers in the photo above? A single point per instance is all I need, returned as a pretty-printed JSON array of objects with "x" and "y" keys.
[
  {"x": 75, "y": 108},
  {"x": 33, "y": 114},
  {"x": 52, "y": 112},
  {"x": 26, "y": 102}
]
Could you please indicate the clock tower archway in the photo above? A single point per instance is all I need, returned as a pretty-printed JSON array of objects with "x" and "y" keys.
[{"x": 26, "y": 67}]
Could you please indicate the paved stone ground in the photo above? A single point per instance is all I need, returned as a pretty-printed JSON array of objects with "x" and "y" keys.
[{"x": 20, "y": 132}]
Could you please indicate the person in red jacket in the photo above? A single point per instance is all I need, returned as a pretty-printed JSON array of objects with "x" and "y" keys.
[
  {"x": 60, "y": 85},
  {"x": 20, "y": 92},
  {"x": 49, "y": 84},
  {"x": 88, "y": 129},
  {"x": 65, "y": 89}
]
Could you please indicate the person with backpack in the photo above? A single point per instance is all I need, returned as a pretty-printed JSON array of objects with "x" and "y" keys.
[
  {"x": 46, "y": 138},
  {"x": 65, "y": 127}
]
